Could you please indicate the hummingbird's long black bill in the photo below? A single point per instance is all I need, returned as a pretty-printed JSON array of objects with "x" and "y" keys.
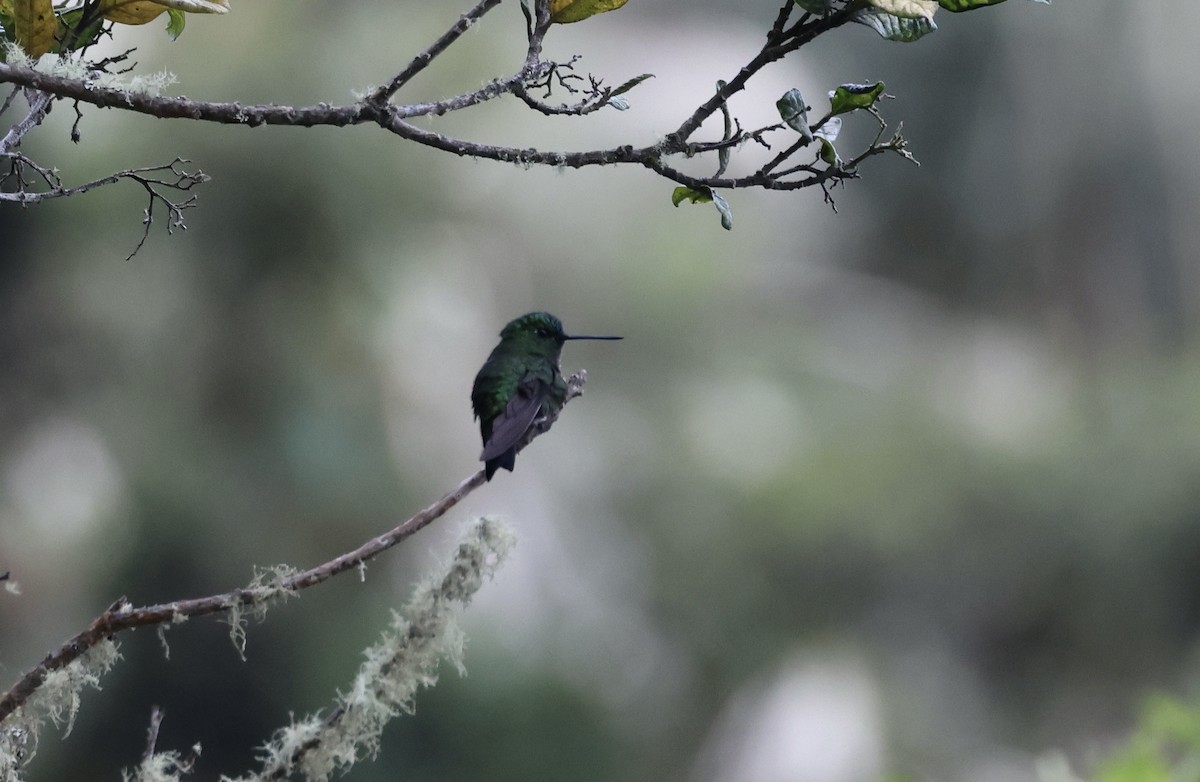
[{"x": 593, "y": 337}]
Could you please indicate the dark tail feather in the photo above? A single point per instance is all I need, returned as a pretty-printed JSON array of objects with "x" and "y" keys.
[{"x": 507, "y": 460}]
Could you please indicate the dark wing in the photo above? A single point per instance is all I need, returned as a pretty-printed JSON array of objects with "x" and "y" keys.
[{"x": 518, "y": 415}]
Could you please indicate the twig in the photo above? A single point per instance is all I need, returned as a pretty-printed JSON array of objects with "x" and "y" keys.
[
  {"x": 121, "y": 616},
  {"x": 155, "y": 180},
  {"x": 156, "y": 718},
  {"x": 418, "y": 63},
  {"x": 39, "y": 107}
]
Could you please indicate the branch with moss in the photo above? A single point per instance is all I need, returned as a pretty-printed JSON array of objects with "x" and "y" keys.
[{"x": 39, "y": 693}]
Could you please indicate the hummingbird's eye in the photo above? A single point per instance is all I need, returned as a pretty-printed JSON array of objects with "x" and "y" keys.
[{"x": 543, "y": 333}]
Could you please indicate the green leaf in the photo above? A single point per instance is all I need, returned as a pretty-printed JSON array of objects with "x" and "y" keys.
[
  {"x": 829, "y": 153},
  {"x": 69, "y": 33},
  {"x": 697, "y": 195},
  {"x": 894, "y": 28},
  {"x": 629, "y": 85},
  {"x": 848, "y": 97},
  {"x": 793, "y": 111},
  {"x": 175, "y": 22},
  {"x": 907, "y": 9},
  {"x": 723, "y": 207}
]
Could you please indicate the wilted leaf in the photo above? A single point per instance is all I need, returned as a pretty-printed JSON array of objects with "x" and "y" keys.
[
  {"x": 830, "y": 130},
  {"x": 848, "y": 97},
  {"x": 724, "y": 152},
  {"x": 34, "y": 25},
  {"x": 723, "y": 207},
  {"x": 907, "y": 9},
  {"x": 629, "y": 85},
  {"x": 793, "y": 111},
  {"x": 894, "y": 28},
  {"x": 135, "y": 12},
  {"x": 143, "y": 11},
  {"x": 566, "y": 11},
  {"x": 696, "y": 195}
]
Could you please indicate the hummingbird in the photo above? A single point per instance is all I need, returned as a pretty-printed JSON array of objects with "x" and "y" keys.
[{"x": 520, "y": 383}]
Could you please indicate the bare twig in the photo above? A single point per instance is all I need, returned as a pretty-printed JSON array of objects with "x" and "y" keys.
[
  {"x": 423, "y": 59},
  {"x": 121, "y": 616},
  {"x": 39, "y": 107},
  {"x": 157, "y": 181},
  {"x": 156, "y": 718}
]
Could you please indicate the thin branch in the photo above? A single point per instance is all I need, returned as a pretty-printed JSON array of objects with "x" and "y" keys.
[
  {"x": 121, "y": 616},
  {"x": 418, "y": 63},
  {"x": 767, "y": 55},
  {"x": 39, "y": 107},
  {"x": 155, "y": 180}
]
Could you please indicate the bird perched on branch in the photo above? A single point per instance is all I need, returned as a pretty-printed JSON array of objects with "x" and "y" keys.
[{"x": 519, "y": 384}]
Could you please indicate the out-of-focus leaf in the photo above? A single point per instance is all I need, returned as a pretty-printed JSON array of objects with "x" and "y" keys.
[
  {"x": 848, "y": 97},
  {"x": 793, "y": 111},
  {"x": 566, "y": 11},
  {"x": 34, "y": 25},
  {"x": 71, "y": 36},
  {"x": 907, "y": 9},
  {"x": 894, "y": 28},
  {"x": 723, "y": 207},
  {"x": 629, "y": 85},
  {"x": 697, "y": 195}
]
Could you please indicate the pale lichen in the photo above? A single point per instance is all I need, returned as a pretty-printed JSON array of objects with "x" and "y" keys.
[
  {"x": 57, "y": 700},
  {"x": 163, "y": 767},
  {"x": 404, "y": 660}
]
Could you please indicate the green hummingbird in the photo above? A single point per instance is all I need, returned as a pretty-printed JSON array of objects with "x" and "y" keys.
[{"x": 519, "y": 383}]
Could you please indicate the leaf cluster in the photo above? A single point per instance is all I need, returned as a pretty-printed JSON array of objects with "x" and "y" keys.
[{"x": 43, "y": 26}]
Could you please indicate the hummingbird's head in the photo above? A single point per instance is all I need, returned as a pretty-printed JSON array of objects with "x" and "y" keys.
[
  {"x": 540, "y": 331},
  {"x": 535, "y": 327}
]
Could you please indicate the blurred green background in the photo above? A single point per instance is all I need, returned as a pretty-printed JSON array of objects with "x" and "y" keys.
[{"x": 911, "y": 488}]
